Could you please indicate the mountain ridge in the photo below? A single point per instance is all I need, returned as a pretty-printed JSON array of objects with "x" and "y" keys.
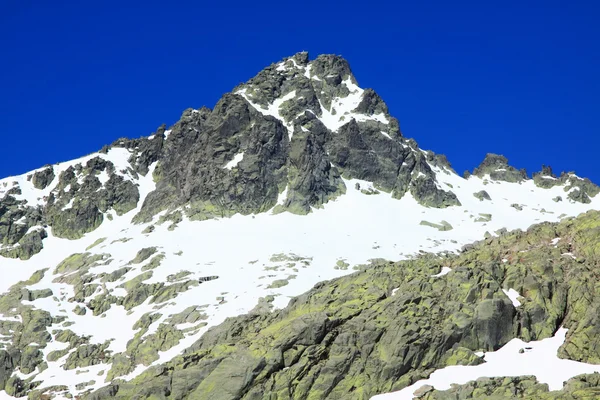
[{"x": 310, "y": 165}]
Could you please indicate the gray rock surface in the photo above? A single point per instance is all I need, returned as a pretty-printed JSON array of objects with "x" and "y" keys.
[{"x": 497, "y": 167}]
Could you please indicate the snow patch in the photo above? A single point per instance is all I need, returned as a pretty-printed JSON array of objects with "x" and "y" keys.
[
  {"x": 513, "y": 295},
  {"x": 236, "y": 160},
  {"x": 444, "y": 271},
  {"x": 273, "y": 108},
  {"x": 541, "y": 361}
]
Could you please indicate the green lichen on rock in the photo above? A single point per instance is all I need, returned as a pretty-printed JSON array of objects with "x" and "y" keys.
[
  {"x": 73, "y": 223},
  {"x": 96, "y": 243},
  {"x": 278, "y": 283},
  {"x": 27, "y": 333},
  {"x": 154, "y": 262},
  {"x": 115, "y": 275},
  {"x": 190, "y": 315},
  {"x": 524, "y": 388},
  {"x": 79, "y": 310},
  {"x": 80, "y": 261},
  {"x": 350, "y": 338},
  {"x": 29, "y": 245},
  {"x": 43, "y": 178},
  {"x": 87, "y": 355},
  {"x": 483, "y": 217},
  {"x": 442, "y": 226},
  {"x": 144, "y": 350},
  {"x": 174, "y": 217},
  {"x": 149, "y": 229},
  {"x": 482, "y": 195},
  {"x": 143, "y": 255},
  {"x": 178, "y": 276}
]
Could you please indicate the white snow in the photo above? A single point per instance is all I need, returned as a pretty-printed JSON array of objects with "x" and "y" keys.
[
  {"x": 281, "y": 67},
  {"x": 541, "y": 361},
  {"x": 513, "y": 295},
  {"x": 340, "y": 111},
  {"x": 69, "y": 204},
  {"x": 282, "y": 197},
  {"x": 235, "y": 161},
  {"x": 386, "y": 135},
  {"x": 444, "y": 271},
  {"x": 273, "y": 108},
  {"x": 576, "y": 177},
  {"x": 103, "y": 177}
]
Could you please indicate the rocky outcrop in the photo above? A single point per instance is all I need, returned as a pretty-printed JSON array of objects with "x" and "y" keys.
[
  {"x": 29, "y": 245},
  {"x": 526, "y": 388},
  {"x": 482, "y": 195},
  {"x": 496, "y": 166},
  {"x": 42, "y": 179},
  {"x": 75, "y": 208},
  {"x": 269, "y": 135},
  {"x": 578, "y": 189},
  {"x": 18, "y": 236}
]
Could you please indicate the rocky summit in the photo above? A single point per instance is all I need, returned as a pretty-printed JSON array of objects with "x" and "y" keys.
[{"x": 292, "y": 243}]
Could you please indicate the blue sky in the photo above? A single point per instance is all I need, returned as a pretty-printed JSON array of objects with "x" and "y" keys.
[{"x": 464, "y": 78}]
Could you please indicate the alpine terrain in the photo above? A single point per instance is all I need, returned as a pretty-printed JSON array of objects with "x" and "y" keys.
[{"x": 291, "y": 243}]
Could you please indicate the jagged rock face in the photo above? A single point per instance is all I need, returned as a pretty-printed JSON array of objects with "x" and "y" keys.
[
  {"x": 298, "y": 125},
  {"x": 43, "y": 178},
  {"x": 578, "y": 189},
  {"x": 496, "y": 166},
  {"x": 191, "y": 169},
  {"x": 72, "y": 201}
]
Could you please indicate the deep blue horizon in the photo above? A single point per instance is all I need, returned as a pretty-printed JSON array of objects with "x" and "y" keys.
[{"x": 463, "y": 79}]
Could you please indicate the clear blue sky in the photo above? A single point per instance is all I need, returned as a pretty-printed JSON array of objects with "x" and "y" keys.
[{"x": 518, "y": 78}]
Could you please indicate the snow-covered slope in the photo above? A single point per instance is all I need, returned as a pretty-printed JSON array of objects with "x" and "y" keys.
[{"x": 138, "y": 294}]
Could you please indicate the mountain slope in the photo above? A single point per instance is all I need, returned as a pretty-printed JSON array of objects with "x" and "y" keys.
[
  {"x": 391, "y": 324},
  {"x": 123, "y": 259}
]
